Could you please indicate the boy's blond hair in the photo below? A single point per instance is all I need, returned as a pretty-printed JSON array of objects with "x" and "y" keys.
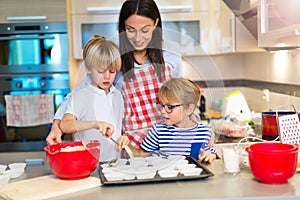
[
  {"x": 180, "y": 90},
  {"x": 99, "y": 53}
]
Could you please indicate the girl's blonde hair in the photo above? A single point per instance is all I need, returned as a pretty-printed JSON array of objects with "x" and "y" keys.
[
  {"x": 99, "y": 53},
  {"x": 180, "y": 90}
]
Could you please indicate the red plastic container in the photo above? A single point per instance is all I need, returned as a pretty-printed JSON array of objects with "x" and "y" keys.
[
  {"x": 73, "y": 165},
  {"x": 272, "y": 162}
]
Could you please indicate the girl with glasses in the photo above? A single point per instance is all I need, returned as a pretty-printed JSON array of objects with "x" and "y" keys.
[{"x": 178, "y": 131}]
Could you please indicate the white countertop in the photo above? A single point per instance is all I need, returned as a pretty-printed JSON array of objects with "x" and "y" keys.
[{"x": 219, "y": 186}]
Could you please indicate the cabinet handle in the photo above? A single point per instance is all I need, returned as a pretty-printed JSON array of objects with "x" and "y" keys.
[
  {"x": 24, "y": 18},
  {"x": 179, "y": 8},
  {"x": 27, "y": 38},
  {"x": 176, "y": 8},
  {"x": 103, "y": 9}
]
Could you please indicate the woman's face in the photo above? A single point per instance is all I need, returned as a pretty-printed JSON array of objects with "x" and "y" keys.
[{"x": 139, "y": 30}]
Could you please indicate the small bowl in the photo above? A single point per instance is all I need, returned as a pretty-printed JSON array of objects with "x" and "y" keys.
[
  {"x": 4, "y": 178},
  {"x": 2, "y": 168},
  {"x": 117, "y": 176},
  {"x": 17, "y": 165},
  {"x": 191, "y": 171},
  {"x": 145, "y": 172},
  {"x": 14, "y": 173},
  {"x": 167, "y": 173}
]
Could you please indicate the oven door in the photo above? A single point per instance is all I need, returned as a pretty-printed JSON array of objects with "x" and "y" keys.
[
  {"x": 56, "y": 84},
  {"x": 30, "y": 53}
]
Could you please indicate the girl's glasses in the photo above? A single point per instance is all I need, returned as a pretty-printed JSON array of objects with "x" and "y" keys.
[{"x": 168, "y": 108}]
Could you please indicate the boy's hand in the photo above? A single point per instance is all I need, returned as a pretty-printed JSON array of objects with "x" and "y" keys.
[
  {"x": 206, "y": 156},
  {"x": 55, "y": 134},
  {"x": 106, "y": 129}
]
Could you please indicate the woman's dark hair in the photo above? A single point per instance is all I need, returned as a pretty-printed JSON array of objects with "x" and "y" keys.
[{"x": 146, "y": 8}]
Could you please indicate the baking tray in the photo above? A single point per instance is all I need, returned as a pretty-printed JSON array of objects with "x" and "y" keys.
[{"x": 204, "y": 174}]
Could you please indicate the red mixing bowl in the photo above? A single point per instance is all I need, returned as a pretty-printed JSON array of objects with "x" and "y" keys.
[
  {"x": 272, "y": 162},
  {"x": 78, "y": 160}
]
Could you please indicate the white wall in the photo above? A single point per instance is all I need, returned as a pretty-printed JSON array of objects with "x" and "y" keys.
[{"x": 279, "y": 67}]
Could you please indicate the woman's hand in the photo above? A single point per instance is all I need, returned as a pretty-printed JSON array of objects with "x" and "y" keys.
[{"x": 205, "y": 156}]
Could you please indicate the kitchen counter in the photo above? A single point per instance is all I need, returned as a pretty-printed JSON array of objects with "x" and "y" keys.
[{"x": 219, "y": 186}]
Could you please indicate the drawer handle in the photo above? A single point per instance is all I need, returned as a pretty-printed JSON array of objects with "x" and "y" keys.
[
  {"x": 103, "y": 9},
  {"x": 24, "y": 18},
  {"x": 176, "y": 8}
]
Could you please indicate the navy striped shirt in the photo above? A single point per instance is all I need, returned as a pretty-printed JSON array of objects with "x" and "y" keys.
[{"x": 176, "y": 141}]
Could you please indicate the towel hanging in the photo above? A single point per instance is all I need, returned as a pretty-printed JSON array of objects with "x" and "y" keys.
[{"x": 29, "y": 110}]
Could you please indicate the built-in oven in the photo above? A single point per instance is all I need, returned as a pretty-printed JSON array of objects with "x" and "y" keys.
[
  {"x": 33, "y": 60},
  {"x": 33, "y": 47}
]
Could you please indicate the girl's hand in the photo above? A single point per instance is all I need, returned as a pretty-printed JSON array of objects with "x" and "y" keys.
[
  {"x": 122, "y": 141},
  {"x": 205, "y": 156},
  {"x": 105, "y": 128}
]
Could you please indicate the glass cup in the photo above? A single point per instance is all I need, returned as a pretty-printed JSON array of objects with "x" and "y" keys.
[{"x": 231, "y": 159}]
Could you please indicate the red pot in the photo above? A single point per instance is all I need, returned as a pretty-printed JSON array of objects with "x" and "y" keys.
[
  {"x": 272, "y": 162},
  {"x": 269, "y": 123}
]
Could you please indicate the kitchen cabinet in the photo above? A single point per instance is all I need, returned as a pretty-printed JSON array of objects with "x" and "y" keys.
[
  {"x": 200, "y": 27},
  {"x": 19, "y": 11},
  {"x": 226, "y": 33},
  {"x": 279, "y": 23},
  {"x": 182, "y": 22}
]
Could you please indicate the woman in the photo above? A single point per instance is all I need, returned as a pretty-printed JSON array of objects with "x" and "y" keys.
[
  {"x": 147, "y": 62},
  {"x": 145, "y": 66}
]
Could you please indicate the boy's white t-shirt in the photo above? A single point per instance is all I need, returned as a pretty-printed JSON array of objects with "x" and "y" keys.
[{"x": 91, "y": 103}]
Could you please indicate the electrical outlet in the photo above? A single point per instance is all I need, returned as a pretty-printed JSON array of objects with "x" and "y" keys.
[{"x": 266, "y": 95}]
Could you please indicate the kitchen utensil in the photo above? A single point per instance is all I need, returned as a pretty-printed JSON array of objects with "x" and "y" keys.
[
  {"x": 269, "y": 123},
  {"x": 114, "y": 141},
  {"x": 201, "y": 173},
  {"x": 272, "y": 162},
  {"x": 289, "y": 128},
  {"x": 234, "y": 102},
  {"x": 129, "y": 152},
  {"x": 126, "y": 148},
  {"x": 76, "y": 161},
  {"x": 45, "y": 187}
]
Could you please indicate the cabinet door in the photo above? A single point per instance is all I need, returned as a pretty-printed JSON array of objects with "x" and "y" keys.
[
  {"x": 84, "y": 26},
  {"x": 185, "y": 29},
  {"x": 32, "y": 10},
  {"x": 220, "y": 28},
  {"x": 279, "y": 23}
]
